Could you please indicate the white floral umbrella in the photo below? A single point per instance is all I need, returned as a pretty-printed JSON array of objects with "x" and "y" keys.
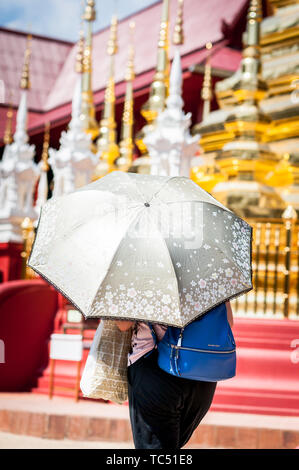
[{"x": 143, "y": 247}]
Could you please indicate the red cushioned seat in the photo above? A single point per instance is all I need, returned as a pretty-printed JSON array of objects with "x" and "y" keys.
[{"x": 27, "y": 312}]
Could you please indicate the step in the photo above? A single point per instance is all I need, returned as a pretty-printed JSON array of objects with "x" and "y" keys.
[
  {"x": 15, "y": 441},
  {"x": 267, "y": 378},
  {"x": 61, "y": 418}
]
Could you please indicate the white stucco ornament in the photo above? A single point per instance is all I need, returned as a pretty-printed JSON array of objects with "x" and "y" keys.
[
  {"x": 74, "y": 162},
  {"x": 171, "y": 146},
  {"x": 18, "y": 176}
]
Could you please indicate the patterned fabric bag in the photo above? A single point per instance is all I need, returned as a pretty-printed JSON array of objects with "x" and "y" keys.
[{"x": 105, "y": 372}]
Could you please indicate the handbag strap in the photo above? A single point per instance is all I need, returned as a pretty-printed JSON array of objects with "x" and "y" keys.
[{"x": 153, "y": 333}]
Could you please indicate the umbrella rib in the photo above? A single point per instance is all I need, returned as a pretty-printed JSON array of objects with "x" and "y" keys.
[
  {"x": 222, "y": 205},
  {"x": 171, "y": 263},
  {"x": 115, "y": 252},
  {"x": 132, "y": 181},
  {"x": 212, "y": 204},
  {"x": 219, "y": 204},
  {"x": 160, "y": 189}
]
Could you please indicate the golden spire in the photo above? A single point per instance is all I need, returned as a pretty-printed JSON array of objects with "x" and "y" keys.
[
  {"x": 79, "y": 66},
  {"x": 254, "y": 17},
  {"x": 44, "y": 158},
  {"x": 89, "y": 13},
  {"x": 130, "y": 73},
  {"x": 206, "y": 92},
  {"x": 109, "y": 101},
  {"x": 106, "y": 143},
  {"x": 8, "y": 126},
  {"x": 87, "y": 110},
  {"x": 25, "y": 77},
  {"x": 247, "y": 120},
  {"x": 251, "y": 86},
  {"x": 112, "y": 47},
  {"x": 126, "y": 144},
  {"x": 178, "y": 34},
  {"x": 160, "y": 85}
]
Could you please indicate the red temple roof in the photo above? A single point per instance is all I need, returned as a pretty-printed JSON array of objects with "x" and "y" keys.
[
  {"x": 47, "y": 59},
  {"x": 52, "y": 61}
]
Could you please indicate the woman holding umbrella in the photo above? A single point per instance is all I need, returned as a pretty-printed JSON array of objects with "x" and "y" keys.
[
  {"x": 164, "y": 409},
  {"x": 152, "y": 249}
]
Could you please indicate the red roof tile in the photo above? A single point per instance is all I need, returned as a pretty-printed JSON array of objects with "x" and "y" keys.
[
  {"x": 52, "y": 62},
  {"x": 202, "y": 23},
  {"x": 47, "y": 58}
]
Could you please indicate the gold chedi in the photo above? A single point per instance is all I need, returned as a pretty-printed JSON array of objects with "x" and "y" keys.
[
  {"x": 246, "y": 163},
  {"x": 107, "y": 142},
  {"x": 90, "y": 124}
]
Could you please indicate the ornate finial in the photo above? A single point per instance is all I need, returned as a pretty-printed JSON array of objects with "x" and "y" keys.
[
  {"x": 178, "y": 35},
  {"x": 163, "y": 34},
  {"x": 126, "y": 144},
  {"x": 106, "y": 143},
  {"x": 206, "y": 92},
  {"x": 130, "y": 73},
  {"x": 162, "y": 70},
  {"x": 25, "y": 80},
  {"x": 254, "y": 17},
  {"x": 8, "y": 126},
  {"x": 289, "y": 213},
  {"x": 251, "y": 86},
  {"x": 79, "y": 67},
  {"x": 255, "y": 12},
  {"x": 87, "y": 51},
  {"x": 160, "y": 86},
  {"x": 112, "y": 42},
  {"x": 87, "y": 115},
  {"x": 110, "y": 93},
  {"x": 45, "y": 165},
  {"x": 90, "y": 12}
]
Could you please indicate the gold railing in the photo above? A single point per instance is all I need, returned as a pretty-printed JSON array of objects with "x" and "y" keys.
[
  {"x": 28, "y": 234},
  {"x": 275, "y": 264}
]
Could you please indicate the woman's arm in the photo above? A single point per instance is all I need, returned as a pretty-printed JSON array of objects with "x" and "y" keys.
[
  {"x": 229, "y": 314},
  {"x": 124, "y": 325}
]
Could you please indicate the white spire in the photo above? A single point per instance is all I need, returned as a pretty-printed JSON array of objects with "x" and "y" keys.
[
  {"x": 42, "y": 188},
  {"x": 21, "y": 136},
  {"x": 170, "y": 145},
  {"x": 174, "y": 100},
  {"x": 76, "y": 123},
  {"x": 42, "y": 191}
]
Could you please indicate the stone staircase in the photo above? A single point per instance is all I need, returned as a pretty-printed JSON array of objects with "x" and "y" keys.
[{"x": 61, "y": 418}]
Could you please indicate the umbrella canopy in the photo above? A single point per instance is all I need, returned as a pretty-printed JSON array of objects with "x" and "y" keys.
[{"x": 142, "y": 247}]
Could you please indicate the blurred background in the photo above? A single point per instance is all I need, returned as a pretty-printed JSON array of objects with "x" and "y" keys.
[{"x": 208, "y": 90}]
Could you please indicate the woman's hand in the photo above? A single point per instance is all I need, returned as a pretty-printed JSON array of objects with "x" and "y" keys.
[
  {"x": 124, "y": 325},
  {"x": 229, "y": 314}
]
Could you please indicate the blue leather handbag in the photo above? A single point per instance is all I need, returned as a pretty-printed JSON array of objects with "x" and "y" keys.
[{"x": 204, "y": 350}]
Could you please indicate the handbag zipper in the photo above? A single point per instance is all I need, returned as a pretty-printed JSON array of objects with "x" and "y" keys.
[{"x": 202, "y": 350}]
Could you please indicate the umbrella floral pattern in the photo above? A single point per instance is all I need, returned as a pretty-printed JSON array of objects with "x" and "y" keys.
[{"x": 143, "y": 247}]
